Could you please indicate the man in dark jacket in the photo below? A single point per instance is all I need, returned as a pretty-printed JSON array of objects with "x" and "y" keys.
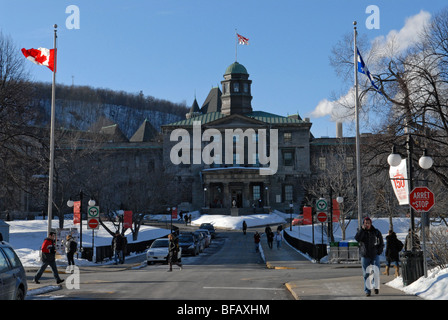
[
  {"x": 48, "y": 258},
  {"x": 371, "y": 245},
  {"x": 118, "y": 245}
]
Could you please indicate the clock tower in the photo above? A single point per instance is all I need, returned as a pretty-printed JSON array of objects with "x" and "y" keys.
[{"x": 236, "y": 93}]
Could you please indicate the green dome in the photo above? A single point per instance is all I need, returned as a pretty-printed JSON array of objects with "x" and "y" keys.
[{"x": 236, "y": 68}]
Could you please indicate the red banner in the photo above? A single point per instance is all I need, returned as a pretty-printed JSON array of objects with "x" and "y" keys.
[
  {"x": 76, "y": 212},
  {"x": 174, "y": 213},
  {"x": 127, "y": 221},
  {"x": 307, "y": 215},
  {"x": 336, "y": 211}
]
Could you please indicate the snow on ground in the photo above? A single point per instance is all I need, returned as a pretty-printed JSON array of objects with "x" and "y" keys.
[{"x": 26, "y": 238}]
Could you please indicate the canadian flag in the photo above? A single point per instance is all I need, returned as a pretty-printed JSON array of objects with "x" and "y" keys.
[
  {"x": 242, "y": 40},
  {"x": 41, "y": 56}
]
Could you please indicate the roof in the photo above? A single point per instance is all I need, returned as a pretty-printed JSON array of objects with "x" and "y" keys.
[
  {"x": 145, "y": 133},
  {"x": 257, "y": 115},
  {"x": 236, "y": 68},
  {"x": 213, "y": 101},
  {"x": 194, "y": 107},
  {"x": 114, "y": 133}
]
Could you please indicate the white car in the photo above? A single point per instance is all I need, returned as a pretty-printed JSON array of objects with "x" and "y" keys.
[{"x": 158, "y": 251}]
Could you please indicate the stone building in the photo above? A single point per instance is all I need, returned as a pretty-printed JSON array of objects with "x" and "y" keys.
[
  {"x": 224, "y": 154},
  {"x": 237, "y": 140}
]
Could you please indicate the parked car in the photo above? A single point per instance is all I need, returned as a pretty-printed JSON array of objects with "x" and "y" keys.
[
  {"x": 298, "y": 221},
  {"x": 158, "y": 251},
  {"x": 13, "y": 285},
  {"x": 210, "y": 228},
  {"x": 189, "y": 243},
  {"x": 208, "y": 237},
  {"x": 201, "y": 240}
]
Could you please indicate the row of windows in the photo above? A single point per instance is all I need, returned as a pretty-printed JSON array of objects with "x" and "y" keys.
[
  {"x": 236, "y": 87},
  {"x": 288, "y": 193},
  {"x": 349, "y": 162}
]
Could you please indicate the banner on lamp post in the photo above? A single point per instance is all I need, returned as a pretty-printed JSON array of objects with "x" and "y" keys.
[
  {"x": 76, "y": 212},
  {"x": 400, "y": 183},
  {"x": 127, "y": 221},
  {"x": 307, "y": 215}
]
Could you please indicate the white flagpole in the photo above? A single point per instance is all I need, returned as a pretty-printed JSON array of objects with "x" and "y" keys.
[
  {"x": 358, "y": 156},
  {"x": 236, "y": 46},
  {"x": 51, "y": 170}
]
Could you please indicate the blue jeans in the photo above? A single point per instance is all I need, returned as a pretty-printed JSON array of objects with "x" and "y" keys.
[
  {"x": 119, "y": 256},
  {"x": 368, "y": 272},
  {"x": 44, "y": 265}
]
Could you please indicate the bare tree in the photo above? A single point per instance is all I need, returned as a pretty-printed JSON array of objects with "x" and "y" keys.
[{"x": 20, "y": 145}]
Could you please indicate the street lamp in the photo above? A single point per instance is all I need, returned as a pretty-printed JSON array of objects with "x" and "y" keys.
[
  {"x": 291, "y": 206},
  {"x": 71, "y": 203},
  {"x": 425, "y": 162}
]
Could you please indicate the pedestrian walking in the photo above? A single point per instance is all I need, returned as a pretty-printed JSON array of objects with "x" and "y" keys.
[
  {"x": 393, "y": 247},
  {"x": 371, "y": 245},
  {"x": 70, "y": 249},
  {"x": 48, "y": 251},
  {"x": 269, "y": 236},
  {"x": 118, "y": 247},
  {"x": 278, "y": 239},
  {"x": 257, "y": 241},
  {"x": 173, "y": 251},
  {"x": 244, "y": 227},
  {"x": 412, "y": 242}
]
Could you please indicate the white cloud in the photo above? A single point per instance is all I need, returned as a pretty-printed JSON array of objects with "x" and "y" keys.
[
  {"x": 340, "y": 110},
  {"x": 398, "y": 41}
]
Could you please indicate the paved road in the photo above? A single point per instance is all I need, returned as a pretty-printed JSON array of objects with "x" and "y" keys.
[{"x": 229, "y": 270}]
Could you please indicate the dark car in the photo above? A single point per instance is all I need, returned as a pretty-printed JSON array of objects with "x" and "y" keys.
[
  {"x": 210, "y": 228},
  {"x": 13, "y": 285},
  {"x": 189, "y": 243}
]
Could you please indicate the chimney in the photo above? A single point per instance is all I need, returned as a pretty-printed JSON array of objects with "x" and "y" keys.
[{"x": 339, "y": 129}]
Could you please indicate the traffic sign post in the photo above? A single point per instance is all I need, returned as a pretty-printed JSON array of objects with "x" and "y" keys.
[{"x": 93, "y": 214}]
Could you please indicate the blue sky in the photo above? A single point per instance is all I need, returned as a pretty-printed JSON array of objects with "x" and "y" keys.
[{"x": 176, "y": 49}]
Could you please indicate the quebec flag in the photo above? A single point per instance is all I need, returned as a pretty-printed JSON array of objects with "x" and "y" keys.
[{"x": 362, "y": 68}]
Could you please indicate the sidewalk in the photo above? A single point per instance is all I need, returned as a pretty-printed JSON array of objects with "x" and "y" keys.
[
  {"x": 317, "y": 281},
  {"x": 48, "y": 283}
]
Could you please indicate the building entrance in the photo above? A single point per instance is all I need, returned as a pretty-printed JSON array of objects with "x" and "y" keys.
[{"x": 237, "y": 196}]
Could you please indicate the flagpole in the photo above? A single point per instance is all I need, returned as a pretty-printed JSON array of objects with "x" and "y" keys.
[
  {"x": 51, "y": 170},
  {"x": 358, "y": 155},
  {"x": 236, "y": 46}
]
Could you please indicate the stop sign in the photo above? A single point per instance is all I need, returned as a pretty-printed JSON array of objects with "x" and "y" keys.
[
  {"x": 322, "y": 216},
  {"x": 421, "y": 199}
]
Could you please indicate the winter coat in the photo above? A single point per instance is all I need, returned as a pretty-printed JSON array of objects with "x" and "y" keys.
[
  {"x": 393, "y": 247},
  {"x": 173, "y": 250},
  {"x": 270, "y": 236},
  {"x": 118, "y": 243},
  {"x": 71, "y": 246},
  {"x": 370, "y": 241},
  {"x": 412, "y": 245},
  {"x": 48, "y": 250}
]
